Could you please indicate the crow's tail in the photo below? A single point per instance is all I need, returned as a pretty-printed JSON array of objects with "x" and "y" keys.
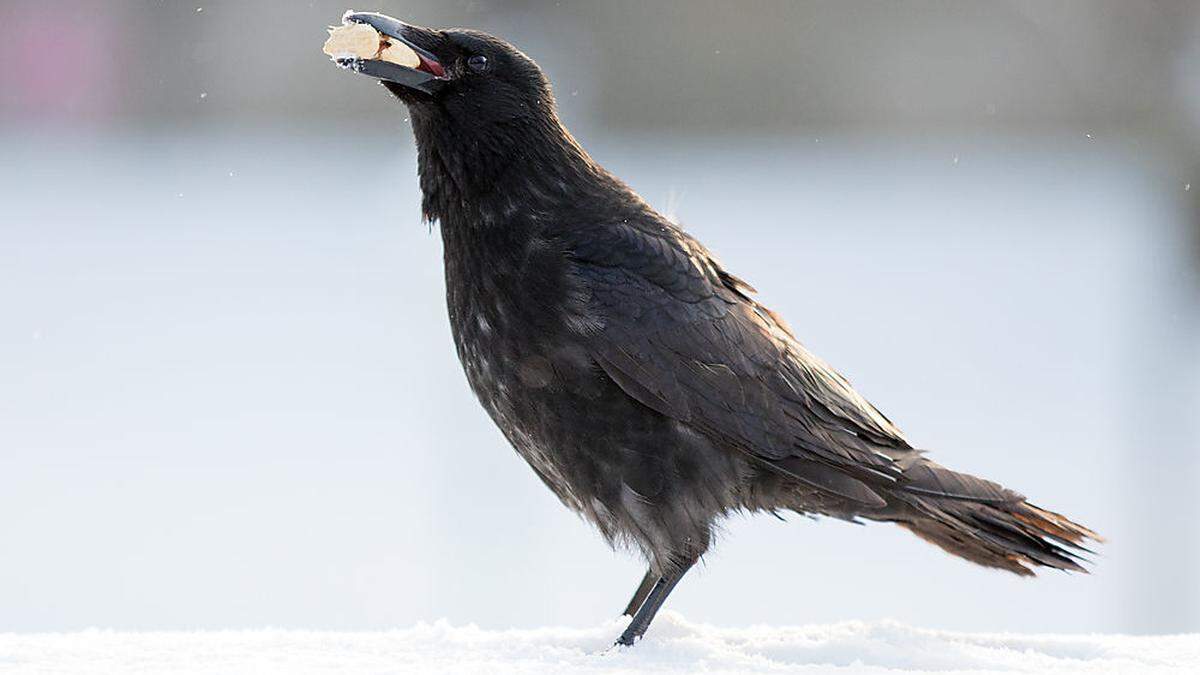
[{"x": 985, "y": 523}]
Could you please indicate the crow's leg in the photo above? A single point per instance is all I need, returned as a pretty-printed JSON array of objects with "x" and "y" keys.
[
  {"x": 654, "y": 600},
  {"x": 639, "y": 596}
]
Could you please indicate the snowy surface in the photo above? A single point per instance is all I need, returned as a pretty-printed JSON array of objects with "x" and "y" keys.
[{"x": 674, "y": 645}]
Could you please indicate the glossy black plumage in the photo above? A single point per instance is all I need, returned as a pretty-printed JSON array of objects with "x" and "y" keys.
[{"x": 640, "y": 379}]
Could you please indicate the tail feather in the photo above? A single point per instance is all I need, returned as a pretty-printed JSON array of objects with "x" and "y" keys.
[{"x": 987, "y": 524}]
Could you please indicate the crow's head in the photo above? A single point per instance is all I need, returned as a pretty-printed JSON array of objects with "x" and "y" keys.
[
  {"x": 466, "y": 78},
  {"x": 488, "y": 137}
]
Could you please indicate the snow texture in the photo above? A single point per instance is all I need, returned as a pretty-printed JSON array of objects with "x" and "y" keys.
[{"x": 674, "y": 645}]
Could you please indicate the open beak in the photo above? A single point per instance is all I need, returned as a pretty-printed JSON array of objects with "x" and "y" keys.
[{"x": 385, "y": 48}]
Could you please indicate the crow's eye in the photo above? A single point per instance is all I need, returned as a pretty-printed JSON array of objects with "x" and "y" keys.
[{"x": 477, "y": 63}]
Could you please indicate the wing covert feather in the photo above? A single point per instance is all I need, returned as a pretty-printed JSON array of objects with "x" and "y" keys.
[{"x": 683, "y": 337}]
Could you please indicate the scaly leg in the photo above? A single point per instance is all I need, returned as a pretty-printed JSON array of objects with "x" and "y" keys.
[
  {"x": 639, "y": 596},
  {"x": 654, "y": 600}
]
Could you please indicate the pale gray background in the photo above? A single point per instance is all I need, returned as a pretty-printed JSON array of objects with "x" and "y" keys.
[{"x": 228, "y": 396}]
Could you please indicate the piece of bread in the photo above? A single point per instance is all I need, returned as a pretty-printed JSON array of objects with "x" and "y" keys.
[
  {"x": 360, "y": 41},
  {"x": 399, "y": 53}
]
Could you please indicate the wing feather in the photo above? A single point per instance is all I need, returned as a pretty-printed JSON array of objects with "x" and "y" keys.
[{"x": 683, "y": 337}]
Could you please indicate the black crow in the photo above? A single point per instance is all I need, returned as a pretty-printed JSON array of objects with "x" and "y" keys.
[{"x": 638, "y": 377}]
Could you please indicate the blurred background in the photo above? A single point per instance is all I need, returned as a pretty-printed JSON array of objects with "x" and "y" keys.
[{"x": 228, "y": 395}]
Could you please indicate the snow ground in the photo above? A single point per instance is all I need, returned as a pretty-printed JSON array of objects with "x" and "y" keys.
[{"x": 675, "y": 645}]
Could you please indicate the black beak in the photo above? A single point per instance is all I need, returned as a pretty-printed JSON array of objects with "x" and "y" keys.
[{"x": 427, "y": 76}]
